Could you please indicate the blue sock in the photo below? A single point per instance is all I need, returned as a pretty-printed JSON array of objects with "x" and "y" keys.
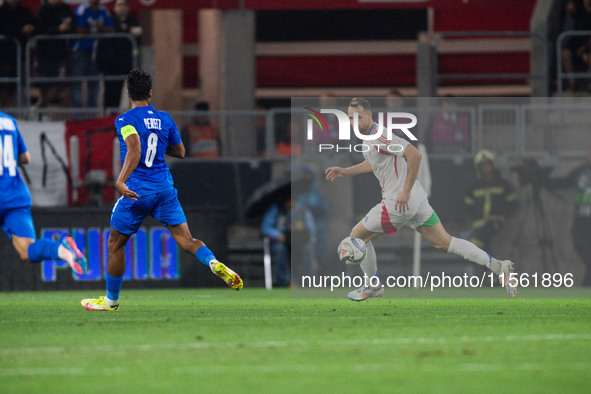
[
  {"x": 204, "y": 255},
  {"x": 113, "y": 286},
  {"x": 43, "y": 249}
]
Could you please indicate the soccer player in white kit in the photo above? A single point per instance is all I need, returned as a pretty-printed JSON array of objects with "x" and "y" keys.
[{"x": 396, "y": 163}]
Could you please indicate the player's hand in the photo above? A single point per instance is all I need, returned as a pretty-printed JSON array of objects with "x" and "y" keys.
[
  {"x": 125, "y": 192},
  {"x": 334, "y": 172},
  {"x": 402, "y": 201}
]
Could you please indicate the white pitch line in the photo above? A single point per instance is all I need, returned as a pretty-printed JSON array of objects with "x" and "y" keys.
[
  {"x": 39, "y": 371},
  {"x": 300, "y": 368},
  {"x": 271, "y": 344}
]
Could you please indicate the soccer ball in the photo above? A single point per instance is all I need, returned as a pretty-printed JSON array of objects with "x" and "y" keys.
[{"x": 352, "y": 250}]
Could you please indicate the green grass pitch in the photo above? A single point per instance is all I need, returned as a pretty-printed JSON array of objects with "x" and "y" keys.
[{"x": 218, "y": 340}]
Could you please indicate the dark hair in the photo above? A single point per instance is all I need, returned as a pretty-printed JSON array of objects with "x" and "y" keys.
[
  {"x": 139, "y": 84},
  {"x": 360, "y": 102}
]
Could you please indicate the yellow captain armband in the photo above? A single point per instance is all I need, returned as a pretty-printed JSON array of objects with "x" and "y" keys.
[{"x": 128, "y": 130}]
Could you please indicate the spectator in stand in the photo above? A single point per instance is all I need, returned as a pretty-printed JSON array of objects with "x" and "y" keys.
[
  {"x": 575, "y": 50},
  {"x": 449, "y": 131},
  {"x": 90, "y": 17},
  {"x": 315, "y": 202},
  {"x": 489, "y": 200},
  {"x": 115, "y": 55},
  {"x": 286, "y": 224},
  {"x": 394, "y": 100},
  {"x": 202, "y": 136},
  {"x": 580, "y": 179},
  {"x": 16, "y": 21},
  {"x": 290, "y": 141},
  {"x": 52, "y": 18}
]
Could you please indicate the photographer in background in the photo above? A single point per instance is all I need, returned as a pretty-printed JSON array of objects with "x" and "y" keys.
[
  {"x": 490, "y": 199},
  {"x": 580, "y": 178}
]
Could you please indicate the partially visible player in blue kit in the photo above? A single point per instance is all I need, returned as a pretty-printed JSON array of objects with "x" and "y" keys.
[
  {"x": 15, "y": 205},
  {"x": 146, "y": 187}
]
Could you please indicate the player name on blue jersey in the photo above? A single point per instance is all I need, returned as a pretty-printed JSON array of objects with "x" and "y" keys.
[{"x": 153, "y": 123}]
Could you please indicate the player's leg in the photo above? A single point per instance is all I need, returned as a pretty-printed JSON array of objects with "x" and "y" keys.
[
  {"x": 280, "y": 256},
  {"x": 433, "y": 231},
  {"x": 114, "y": 276},
  {"x": 182, "y": 236},
  {"x": 168, "y": 210},
  {"x": 369, "y": 265},
  {"x": 126, "y": 218},
  {"x": 18, "y": 225}
]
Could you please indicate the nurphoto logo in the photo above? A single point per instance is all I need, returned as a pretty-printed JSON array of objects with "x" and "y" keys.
[{"x": 403, "y": 121}]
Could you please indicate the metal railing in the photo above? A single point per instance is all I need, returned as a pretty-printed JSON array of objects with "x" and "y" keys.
[
  {"x": 17, "y": 80},
  {"x": 560, "y": 74},
  {"x": 238, "y": 130},
  {"x": 516, "y": 128},
  {"x": 30, "y": 80},
  {"x": 492, "y": 76}
]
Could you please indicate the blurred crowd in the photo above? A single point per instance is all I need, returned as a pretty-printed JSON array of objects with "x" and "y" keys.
[
  {"x": 58, "y": 57},
  {"x": 576, "y": 49}
]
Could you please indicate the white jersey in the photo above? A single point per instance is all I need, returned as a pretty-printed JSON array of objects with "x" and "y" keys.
[{"x": 389, "y": 166}]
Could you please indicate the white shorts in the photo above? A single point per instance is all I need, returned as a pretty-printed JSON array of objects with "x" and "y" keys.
[{"x": 384, "y": 219}]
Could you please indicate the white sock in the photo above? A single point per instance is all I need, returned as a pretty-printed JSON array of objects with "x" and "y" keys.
[
  {"x": 469, "y": 251},
  {"x": 110, "y": 302},
  {"x": 369, "y": 265},
  {"x": 64, "y": 253}
]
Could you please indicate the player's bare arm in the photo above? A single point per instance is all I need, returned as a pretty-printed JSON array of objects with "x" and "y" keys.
[
  {"x": 24, "y": 158},
  {"x": 336, "y": 172},
  {"x": 132, "y": 158},
  {"x": 176, "y": 150},
  {"x": 413, "y": 161}
]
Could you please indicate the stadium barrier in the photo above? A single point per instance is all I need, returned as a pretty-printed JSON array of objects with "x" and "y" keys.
[
  {"x": 560, "y": 74},
  {"x": 505, "y": 35},
  {"x": 153, "y": 258},
  {"x": 32, "y": 42},
  {"x": 18, "y": 78}
]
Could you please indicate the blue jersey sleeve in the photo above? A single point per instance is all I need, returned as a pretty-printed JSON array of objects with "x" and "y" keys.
[
  {"x": 107, "y": 20},
  {"x": 268, "y": 225},
  {"x": 175, "y": 136},
  {"x": 79, "y": 19},
  {"x": 119, "y": 123},
  {"x": 22, "y": 147}
]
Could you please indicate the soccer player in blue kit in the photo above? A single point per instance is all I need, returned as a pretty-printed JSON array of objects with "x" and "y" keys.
[
  {"x": 15, "y": 205},
  {"x": 146, "y": 188}
]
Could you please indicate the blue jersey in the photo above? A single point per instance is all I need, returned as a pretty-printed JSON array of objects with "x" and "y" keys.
[
  {"x": 13, "y": 191},
  {"x": 84, "y": 17},
  {"x": 156, "y": 130}
]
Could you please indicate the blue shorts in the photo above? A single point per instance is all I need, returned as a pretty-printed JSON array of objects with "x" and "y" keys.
[
  {"x": 128, "y": 215},
  {"x": 17, "y": 222}
]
